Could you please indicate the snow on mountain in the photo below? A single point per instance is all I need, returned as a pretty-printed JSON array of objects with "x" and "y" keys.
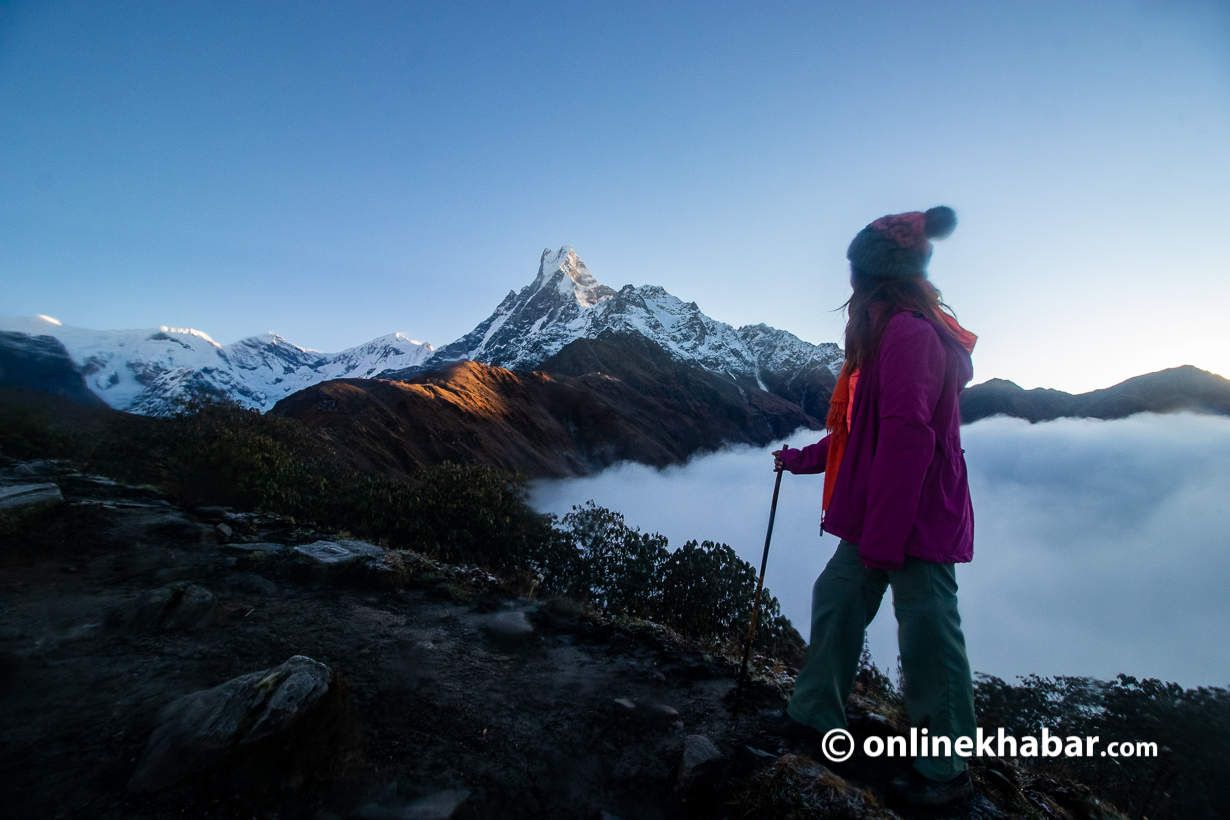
[
  {"x": 565, "y": 302},
  {"x": 150, "y": 371}
]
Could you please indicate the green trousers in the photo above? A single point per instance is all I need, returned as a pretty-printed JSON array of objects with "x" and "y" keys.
[{"x": 939, "y": 694}]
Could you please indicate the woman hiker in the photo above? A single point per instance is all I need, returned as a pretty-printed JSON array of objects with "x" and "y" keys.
[{"x": 896, "y": 494}]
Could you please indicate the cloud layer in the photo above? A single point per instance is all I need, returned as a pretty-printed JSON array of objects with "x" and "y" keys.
[{"x": 1101, "y": 546}]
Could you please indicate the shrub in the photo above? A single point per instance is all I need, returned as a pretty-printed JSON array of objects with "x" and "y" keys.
[
  {"x": 1191, "y": 728},
  {"x": 215, "y": 452},
  {"x": 617, "y": 567}
]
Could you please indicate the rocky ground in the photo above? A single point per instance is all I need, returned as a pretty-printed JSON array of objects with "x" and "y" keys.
[{"x": 161, "y": 661}]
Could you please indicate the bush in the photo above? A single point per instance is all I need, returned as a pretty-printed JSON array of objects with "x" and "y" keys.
[
  {"x": 616, "y": 567},
  {"x": 1191, "y": 728},
  {"x": 707, "y": 592},
  {"x": 218, "y": 453},
  {"x": 702, "y": 591},
  {"x": 221, "y": 453}
]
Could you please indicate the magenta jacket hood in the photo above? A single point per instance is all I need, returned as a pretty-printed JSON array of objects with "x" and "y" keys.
[{"x": 903, "y": 488}]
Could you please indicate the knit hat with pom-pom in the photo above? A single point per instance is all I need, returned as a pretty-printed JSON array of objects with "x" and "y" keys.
[{"x": 900, "y": 245}]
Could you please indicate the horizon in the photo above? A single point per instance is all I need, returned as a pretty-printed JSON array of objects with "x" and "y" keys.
[{"x": 339, "y": 173}]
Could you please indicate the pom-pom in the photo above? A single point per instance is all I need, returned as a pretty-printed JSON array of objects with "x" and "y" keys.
[{"x": 941, "y": 221}]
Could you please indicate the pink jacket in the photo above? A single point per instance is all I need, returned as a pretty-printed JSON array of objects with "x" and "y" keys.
[{"x": 902, "y": 488}]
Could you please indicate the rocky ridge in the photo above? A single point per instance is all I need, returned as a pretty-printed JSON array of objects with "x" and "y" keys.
[{"x": 385, "y": 685}]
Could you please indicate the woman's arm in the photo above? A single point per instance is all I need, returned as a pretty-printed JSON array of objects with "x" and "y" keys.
[
  {"x": 806, "y": 461},
  {"x": 911, "y": 374}
]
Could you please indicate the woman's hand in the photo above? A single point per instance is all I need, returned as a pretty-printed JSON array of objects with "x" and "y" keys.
[{"x": 777, "y": 459}]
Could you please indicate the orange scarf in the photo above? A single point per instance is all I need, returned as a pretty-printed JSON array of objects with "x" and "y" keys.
[{"x": 838, "y": 421}]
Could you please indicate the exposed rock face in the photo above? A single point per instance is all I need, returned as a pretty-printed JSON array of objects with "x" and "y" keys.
[
  {"x": 28, "y": 495},
  {"x": 331, "y": 553},
  {"x": 41, "y": 363},
  {"x": 1167, "y": 391},
  {"x": 202, "y": 728},
  {"x": 597, "y": 402},
  {"x": 179, "y": 606}
]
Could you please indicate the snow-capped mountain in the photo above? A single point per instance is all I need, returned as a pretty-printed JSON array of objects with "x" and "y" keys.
[
  {"x": 565, "y": 303},
  {"x": 153, "y": 371},
  {"x": 150, "y": 371}
]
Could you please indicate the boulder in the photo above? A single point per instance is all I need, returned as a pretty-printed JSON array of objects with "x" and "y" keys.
[
  {"x": 331, "y": 553},
  {"x": 25, "y": 495},
  {"x": 698, "y": 753},
  {"x": 205, "y": 727},
  {"x": 178, "y": 606}
]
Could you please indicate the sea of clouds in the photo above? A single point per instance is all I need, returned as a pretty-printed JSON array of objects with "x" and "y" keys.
[{"x": 1100, "y": 546}]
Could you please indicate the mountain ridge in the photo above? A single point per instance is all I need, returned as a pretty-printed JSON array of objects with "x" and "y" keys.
[
  {"x": 1176, "y": 389},
  {"x": 595, "y": 403},
  {"x": 565, "y": 303},
  {"x": 152, "y": 372}
]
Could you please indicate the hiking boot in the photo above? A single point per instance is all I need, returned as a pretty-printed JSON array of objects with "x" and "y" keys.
[
  {"x": 915, "y": 790},
  {"x": 780, "y": 724}
]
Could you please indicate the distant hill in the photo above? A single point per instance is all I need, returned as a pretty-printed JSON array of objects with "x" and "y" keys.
[
  {"x": 41, "y": 363},
  {"x": 1166, "y": 391}
]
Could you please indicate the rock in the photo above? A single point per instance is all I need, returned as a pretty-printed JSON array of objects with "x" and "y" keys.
[
  {"x": 698, "y": 751},
  {"x": 331, "y": 553},
  {"x": 25, "y": 495},
  {"x": 251, "y": 582},
  {"x": 42, "y": 467},
  {"x": 661, "y": 711},
  {"x": 224, "y": 530},
  {"x": 178, "y": 606},
  {"x": 204, "y": 727},
  {"x": 257, "y": 546},
  {"x": 439, "y": 806}
]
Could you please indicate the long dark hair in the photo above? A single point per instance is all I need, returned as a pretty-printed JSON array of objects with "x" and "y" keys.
[{"x": 898, "y": 292}]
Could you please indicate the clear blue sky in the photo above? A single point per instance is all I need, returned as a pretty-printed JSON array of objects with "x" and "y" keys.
[{"x": 337, "y": 171}]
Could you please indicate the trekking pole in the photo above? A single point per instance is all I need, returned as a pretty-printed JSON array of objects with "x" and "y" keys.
[{"x": 764, "y": 561}]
